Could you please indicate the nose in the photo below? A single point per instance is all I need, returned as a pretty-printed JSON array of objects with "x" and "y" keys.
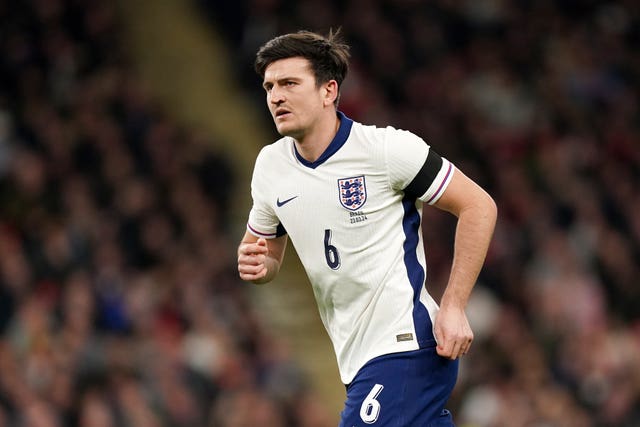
[{"x": 276, "y": 96}]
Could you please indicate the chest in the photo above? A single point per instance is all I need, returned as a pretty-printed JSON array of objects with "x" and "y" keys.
[{"x": 340, "y": 196}]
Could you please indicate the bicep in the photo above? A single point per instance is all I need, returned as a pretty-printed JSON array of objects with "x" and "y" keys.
[{"x": 462, "y": 193}]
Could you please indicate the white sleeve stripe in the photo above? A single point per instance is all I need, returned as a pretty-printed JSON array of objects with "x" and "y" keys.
[
  {"x": 258, "y": 233},
  {"x": 442, "y": 186}
]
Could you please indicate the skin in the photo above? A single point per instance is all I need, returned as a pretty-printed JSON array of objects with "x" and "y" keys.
[
  {"x": 306, "y": 112},
  {"x": 300, "y": 107}
]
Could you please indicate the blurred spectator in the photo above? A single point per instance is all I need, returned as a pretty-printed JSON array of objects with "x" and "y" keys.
[{"x": 119, "y": 302}]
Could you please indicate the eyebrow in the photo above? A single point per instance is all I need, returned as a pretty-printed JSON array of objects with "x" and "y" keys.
[{"x": 281, "y": 80}]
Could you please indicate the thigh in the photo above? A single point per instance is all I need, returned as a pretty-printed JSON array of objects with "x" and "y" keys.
[{"x": 401, "y": 389}]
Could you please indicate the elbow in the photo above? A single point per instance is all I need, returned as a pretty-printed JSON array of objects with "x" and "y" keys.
[
  {"x": 492, "y": 208},
  {"x": 489, "y": 209}
]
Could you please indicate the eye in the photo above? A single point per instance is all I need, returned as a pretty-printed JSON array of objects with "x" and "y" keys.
[{"x": 290, "y": 83}]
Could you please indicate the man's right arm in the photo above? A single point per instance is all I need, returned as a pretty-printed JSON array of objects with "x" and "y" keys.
[{"x": 259, "y": 259}]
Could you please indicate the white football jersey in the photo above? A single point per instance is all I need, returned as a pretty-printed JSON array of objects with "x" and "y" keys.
[{"x": 354, "y": 218}]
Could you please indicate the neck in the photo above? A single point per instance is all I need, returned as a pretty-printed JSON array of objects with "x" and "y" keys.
[{"x": 313, "y": 144}]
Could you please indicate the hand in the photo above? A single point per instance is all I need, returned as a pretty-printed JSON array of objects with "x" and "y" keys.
[
  {"x": 453, "y": 333},
  {"x": 251, "y": 260}
]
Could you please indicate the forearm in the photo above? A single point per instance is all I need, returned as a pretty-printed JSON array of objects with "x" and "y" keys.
[{"x": 474, "y": 230}]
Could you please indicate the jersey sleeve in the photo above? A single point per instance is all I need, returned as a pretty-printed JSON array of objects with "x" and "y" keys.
[
  {"x": 415, "y": 168},
  {"x": 263, "y": 221}
]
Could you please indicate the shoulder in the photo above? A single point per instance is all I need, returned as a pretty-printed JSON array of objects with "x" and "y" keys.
[
  {"x": 368, "y": 130},
  {"x": 371, "y": 134},
  {"x": 274, "y": 150},
  {"x": 393, "y": 134},
  {"x": 271, "y": 159},
  {"x": 386, "y": 134}
]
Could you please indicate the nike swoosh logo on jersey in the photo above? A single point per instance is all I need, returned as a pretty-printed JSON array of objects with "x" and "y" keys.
[{"x": 284, "y": 202}]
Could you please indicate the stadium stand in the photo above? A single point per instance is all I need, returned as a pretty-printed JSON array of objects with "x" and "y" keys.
[{"x": 120, "y": 302}]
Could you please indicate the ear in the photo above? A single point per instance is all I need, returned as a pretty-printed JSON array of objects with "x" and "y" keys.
[{"x": 330, "y": 92}]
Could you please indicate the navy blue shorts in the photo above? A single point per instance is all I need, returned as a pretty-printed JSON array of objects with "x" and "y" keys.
[{"x": 401, "y": 390}]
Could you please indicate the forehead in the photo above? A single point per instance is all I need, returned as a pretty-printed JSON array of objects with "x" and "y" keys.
[{"x": 288, "y": 67}]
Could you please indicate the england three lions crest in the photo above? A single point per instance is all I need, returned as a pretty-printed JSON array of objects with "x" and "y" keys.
[{"x": 353, "y": 192}]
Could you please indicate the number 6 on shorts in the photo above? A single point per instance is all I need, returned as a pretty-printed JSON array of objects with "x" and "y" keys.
[{"x": 370, "y": 409}]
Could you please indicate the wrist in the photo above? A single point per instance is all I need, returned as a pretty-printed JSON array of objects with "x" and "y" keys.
[{"x": 453, "y": 302}]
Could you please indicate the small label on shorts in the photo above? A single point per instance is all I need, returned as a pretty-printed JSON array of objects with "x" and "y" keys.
[{"x": 404, "y": 337}]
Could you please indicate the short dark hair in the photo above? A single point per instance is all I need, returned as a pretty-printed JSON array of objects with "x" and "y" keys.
[{"x": 329, "y": 56}]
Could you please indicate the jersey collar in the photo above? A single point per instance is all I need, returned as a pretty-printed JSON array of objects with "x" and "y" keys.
[{"x": 338, "y": 141}]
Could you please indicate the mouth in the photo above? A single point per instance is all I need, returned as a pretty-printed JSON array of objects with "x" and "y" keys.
[{"x": 281, "y": 113}]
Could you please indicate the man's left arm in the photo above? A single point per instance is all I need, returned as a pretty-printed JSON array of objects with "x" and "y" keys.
[{"x": 476, "y": 212}]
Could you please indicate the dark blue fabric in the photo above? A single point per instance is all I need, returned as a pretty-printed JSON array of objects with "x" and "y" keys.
[
  {"x": 416, "y": 387},
  {"x": 415, "y": 272}
]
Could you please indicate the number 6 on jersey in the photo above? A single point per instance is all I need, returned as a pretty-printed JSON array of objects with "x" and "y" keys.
[
  {"x": 370, "y": 409},
  {"x": 330, "y": 251}
]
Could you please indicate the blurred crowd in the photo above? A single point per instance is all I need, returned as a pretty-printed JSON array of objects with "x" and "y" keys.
[
  {"x": 537, "y": 101},
  {"x": 119, "y": 298}
]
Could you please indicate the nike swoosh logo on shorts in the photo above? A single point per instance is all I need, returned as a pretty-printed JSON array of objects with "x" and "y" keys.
[{"x": 284, "y": 202}]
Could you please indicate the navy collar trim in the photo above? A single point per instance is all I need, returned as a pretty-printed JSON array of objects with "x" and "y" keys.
[{"x": 338, "y": 141}]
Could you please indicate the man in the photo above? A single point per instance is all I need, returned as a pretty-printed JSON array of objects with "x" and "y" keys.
[{"x": 350, "y": 197}]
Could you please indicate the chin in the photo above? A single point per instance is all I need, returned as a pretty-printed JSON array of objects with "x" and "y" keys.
[{"x": 288, "y": 131}]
